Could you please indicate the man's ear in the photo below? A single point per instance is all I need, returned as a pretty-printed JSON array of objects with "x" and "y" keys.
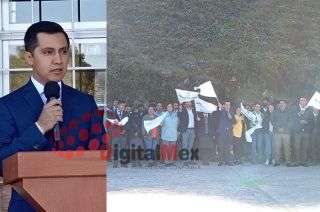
[{"x": 28, "y": 57}]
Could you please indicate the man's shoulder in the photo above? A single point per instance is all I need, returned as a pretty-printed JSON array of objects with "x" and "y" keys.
[
  {"x": 14, "y": 95},
  {"x": 76, "y": 93}
]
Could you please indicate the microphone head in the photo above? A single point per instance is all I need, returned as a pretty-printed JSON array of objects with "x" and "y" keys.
[{"x": 52, "y": 89}]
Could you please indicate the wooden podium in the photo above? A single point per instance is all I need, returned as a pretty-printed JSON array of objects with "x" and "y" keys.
[{"x": 59, "y": 181}]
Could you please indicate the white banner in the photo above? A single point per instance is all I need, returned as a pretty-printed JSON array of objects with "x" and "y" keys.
[
  {"x": 315, "y": 100},
  {"x": 206, "y": 89},
  {"x": 252, "y": 118},
  {"x": 151, "y": 124},
  {"x": 185, "y": 96},
  {"x": 247, "y": 113},
  {"x": 123, "y": 122},
  {"x": 203, "y": 106}
]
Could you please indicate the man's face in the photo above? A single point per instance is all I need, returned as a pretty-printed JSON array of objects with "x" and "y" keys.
[
  {"x": 122, "y": 106},
  {"x": 141, "y": 108},
  {"x": 175, "y": 106},
  {"x": 227, "y": 105},
  {"x": 188, "y": 104},
  {"x": 303, "y": 102},
  {"x": 257, "y": 108},
  {"x": 159, "y": 107},
  {"x": 50, "y": 58},
  {"x": 169, "y": 108},
  {"x": 115, "y": 103},
  {"x": 282, "y": 105}
]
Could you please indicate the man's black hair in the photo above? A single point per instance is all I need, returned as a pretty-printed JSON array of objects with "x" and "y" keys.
[{"x": 31, "y": 39}]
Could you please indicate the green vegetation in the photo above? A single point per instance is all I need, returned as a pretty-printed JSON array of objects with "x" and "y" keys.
[{"x": 249, "y": 49}]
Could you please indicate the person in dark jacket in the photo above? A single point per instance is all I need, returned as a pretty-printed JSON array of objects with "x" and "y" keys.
[
  {"x": 301, "y": 128},
  {"x": 280, "y": 119},
  {"x": 206, "y": 133},
  {"x": 224, "y": 133},
  {"x": 188, "y": 119},
  {"x": 314, "y": 147},
  {"x": 268, "y": 135},
  {"x": 135, "y": 136}
]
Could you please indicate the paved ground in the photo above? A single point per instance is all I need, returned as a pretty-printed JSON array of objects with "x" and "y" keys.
[{"x": 206, "y": 188}]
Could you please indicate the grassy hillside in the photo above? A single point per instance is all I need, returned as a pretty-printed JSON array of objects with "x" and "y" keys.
[{"x": 247, "y": 48}]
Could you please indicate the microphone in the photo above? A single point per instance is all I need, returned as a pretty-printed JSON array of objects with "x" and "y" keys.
[{"x": 52, "y": 91}]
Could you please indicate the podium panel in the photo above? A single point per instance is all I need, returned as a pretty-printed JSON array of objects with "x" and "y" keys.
[{"x": 59, "y": 181}]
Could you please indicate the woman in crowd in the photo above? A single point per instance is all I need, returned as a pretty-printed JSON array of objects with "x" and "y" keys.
[
  {"x": 268, "y": 135},
  {"x": 169, "y": 136},
  {"x": 239, "y": 130}
]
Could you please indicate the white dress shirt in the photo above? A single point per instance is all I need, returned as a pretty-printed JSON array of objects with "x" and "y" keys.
[{"x": 40, "y": 89}]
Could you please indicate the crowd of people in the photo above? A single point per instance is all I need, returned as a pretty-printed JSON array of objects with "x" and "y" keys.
[{"x": 273, "y": 133}]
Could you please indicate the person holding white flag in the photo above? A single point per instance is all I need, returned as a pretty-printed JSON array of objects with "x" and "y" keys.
[
  {"x": 255, "y": 133},
  {"x": 226, "y": 120},
  {"x": 150, "y": 137},
  {"x": 188, "y": 119}
]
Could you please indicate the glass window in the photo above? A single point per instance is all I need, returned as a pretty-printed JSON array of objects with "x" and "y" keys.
[
  {"x": 92, "y": 82},
  {"x": 56, "y": 10},
  {"x": 20, "y": 12},
  {"x": 16, "y": 57},
  {"x": 84, "y": 10},
  {"x": 90, "y": 53},
  {"x": 18, "y": 78}
]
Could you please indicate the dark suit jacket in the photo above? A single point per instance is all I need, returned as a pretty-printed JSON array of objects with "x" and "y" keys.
[
  {"x": 225, "y": 124},
  {"x": 82, "y": 127},
  {"x": 201, "y": 125},
  {"x": 184, "y": 120},
  {"x": 307, "y": 116}
]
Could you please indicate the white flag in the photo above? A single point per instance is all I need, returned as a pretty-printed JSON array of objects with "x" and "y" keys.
[
  {"x": 252, "y": 118},
  {"x": 151, "y": 124},
  {"x": 203, "y": 106},
  {"x": 123, "y": 122},
  {"x": 250, "y": 132},
  {"x": 315, "y": 100},
  {"x": 206, "y": 89},
  {"x": 185, "y": 96},
  {"x": 247, "y": 113}
]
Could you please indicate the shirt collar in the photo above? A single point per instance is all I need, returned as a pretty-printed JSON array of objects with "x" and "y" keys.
[
  {"x": 303, "y": 108},
  {"x": 40, "y": 87}
]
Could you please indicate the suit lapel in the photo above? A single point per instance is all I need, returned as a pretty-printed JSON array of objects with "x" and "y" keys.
[
  {"x": 67, "y": 104},
  {"x": 33, "y": 98}
]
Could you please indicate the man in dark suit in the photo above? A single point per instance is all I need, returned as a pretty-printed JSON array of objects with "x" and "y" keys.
[
  {"x": 27, "y": 120},
  {"x": 188, "y": 119},
  {"x": 120, "y": 135},
  {"x": 315, "y": 138},
  {"x": 206, "y": 133},
  {"x": 302, "y": 119},
  {"x": 224, "y": 133},
  {"x": 113, "y": 109}
]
